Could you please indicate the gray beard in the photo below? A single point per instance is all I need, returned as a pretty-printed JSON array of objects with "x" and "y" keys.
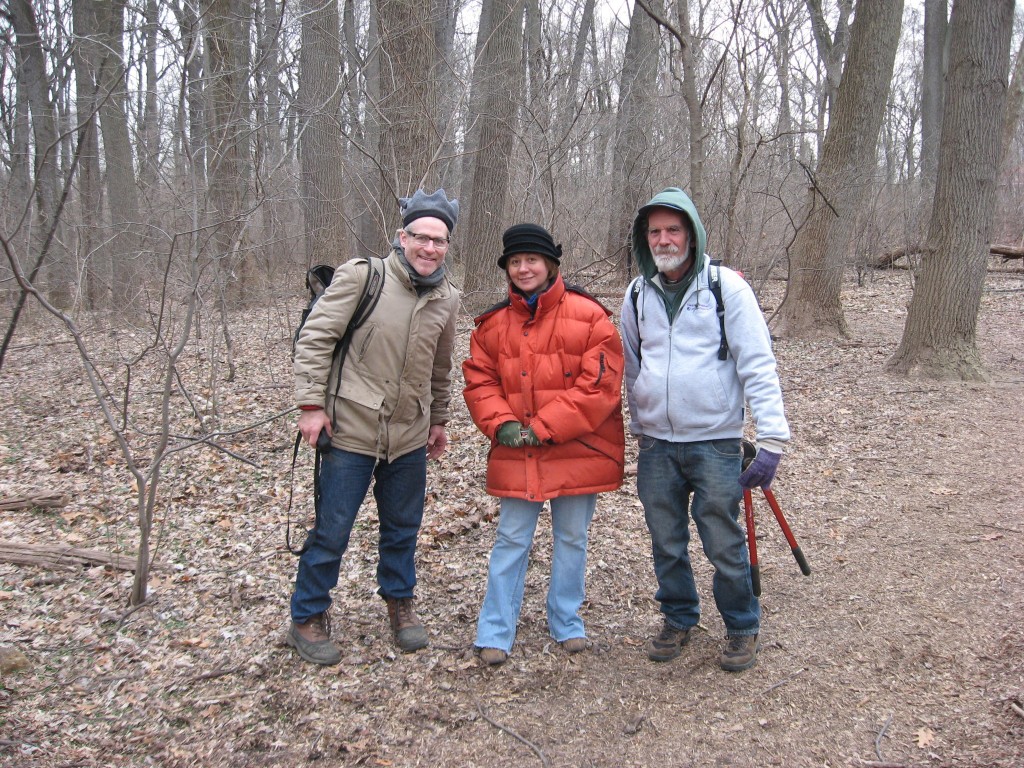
[{"x": 669, "y": 261}]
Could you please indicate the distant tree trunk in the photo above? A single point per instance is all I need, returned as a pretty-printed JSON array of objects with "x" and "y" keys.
[
  {"x": 60, "y": 272},
  {"x": 939, "y": 337},
  {"x": 933, "y": 73},
  {"x": 149, "y": 164},
  {"x": 410, "y": 135},
  {"x": 632, "y": 163},
  {"x": 1014, "y": 104},
  {"x": 320, "y": 147},
  {"x": 689, "y": 53},
  {"x": 818, "y": 255},
  {"x": 498, "y": 77},
  {"x": 782, "y": 18},
  {"x": 86, "y": 55},
  {"x": 831, "y": 51},
  {"x": 122, "y": 190}
]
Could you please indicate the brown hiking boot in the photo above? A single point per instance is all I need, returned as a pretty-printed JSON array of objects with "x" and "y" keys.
[
  {"x": 492, "y": 656},
  {"x": 312, "y": 640},
  {"x": 574, "y": 645},
  {"x": 407, "y": 628},
  {"x": 740, "y": 653},
  {"x": 668, "y": 643}
]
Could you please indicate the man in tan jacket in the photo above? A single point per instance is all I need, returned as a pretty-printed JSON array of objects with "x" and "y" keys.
[{"x": 385, "y": 417}]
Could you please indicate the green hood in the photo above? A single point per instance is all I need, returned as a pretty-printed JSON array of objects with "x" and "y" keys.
[{"x": 677, "y": 200}]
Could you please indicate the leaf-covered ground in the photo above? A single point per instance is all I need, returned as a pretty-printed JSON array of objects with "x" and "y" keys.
[{"x": 902, "y": 648}]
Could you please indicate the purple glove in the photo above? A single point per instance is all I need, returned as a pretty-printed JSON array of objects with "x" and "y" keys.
[{"x": 761, "y": 471}]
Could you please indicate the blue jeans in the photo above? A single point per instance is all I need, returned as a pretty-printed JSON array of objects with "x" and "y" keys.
[
  {"x": 667, "y": 475},
  {"x": 570, "y": 520},
  {"x": 399, "y": 490}
]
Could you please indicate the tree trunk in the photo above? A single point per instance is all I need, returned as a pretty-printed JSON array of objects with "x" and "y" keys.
[
  {"x": 122, "y": 190},
  {"x": 939, "y": 337},
  {"x": 60, "y": 272},
  {"x": 95, "y": 269},
  {"x": 320, "y": 147},
  {"x": 632, "y": 163},
  {"x": 1014, "y": 104},
  {"x": 498, "y": 76},
  {"x": 831, "y": 52},
  {"x": 410, "y": 135},
  {"x": 688, "y": 54},
  {"x": 818, "y": 256}
]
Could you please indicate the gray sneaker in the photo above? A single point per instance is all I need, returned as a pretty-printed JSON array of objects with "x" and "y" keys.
[
  {"x": 668, "y": 643},
  {"x": 740, "y": 653},
  {"x": 312, "y": 640}
]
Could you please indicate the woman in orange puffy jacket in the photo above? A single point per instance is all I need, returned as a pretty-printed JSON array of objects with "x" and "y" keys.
[{"x": 543, "y": 382}]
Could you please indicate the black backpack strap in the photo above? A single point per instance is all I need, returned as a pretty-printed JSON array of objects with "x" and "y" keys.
[
  {"x": 372, "y": 289},
  {"x": 634, "y": 292},
  {"x": 715, "y": 284}
]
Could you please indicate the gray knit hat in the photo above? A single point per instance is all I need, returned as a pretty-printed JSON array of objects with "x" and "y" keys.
[{"x": 436, "y": 205}]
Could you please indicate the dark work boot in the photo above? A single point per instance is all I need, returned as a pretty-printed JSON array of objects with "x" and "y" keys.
[
  {"x": 740, "y": 653},
  {"x": 312, "y": 640},
  {"x": 407, "y": 628}
]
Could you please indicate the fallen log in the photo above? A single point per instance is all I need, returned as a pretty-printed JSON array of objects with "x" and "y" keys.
[
  {"x": 59, "y": 556},
  {"x": 34, "y": 500},
  {"x": 889, "y": 259}
]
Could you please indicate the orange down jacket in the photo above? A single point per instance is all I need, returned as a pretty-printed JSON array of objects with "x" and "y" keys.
[{"x": 558, "y": 370}]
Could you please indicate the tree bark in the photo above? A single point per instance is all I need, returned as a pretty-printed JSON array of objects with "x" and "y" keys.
[
  {"x": 818, "y": 257},
  {"x": 939, "y": 337},
  {"x": 632, "y": 162},
  {"x": 410, "y": 134},
  {"x": 498, "y": 77},
  {"x": 320, "y": 146}
]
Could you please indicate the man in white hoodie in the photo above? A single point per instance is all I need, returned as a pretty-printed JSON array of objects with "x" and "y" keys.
[{"x": 689, "y": 376}]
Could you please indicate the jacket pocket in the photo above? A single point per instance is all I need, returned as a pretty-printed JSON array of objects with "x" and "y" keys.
[{"x": 359, "y": 393}]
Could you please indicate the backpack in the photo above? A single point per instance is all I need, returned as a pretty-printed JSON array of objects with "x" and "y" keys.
[
  {"x": 317, "y": 280},
  {"x": 714, "y": 283}
]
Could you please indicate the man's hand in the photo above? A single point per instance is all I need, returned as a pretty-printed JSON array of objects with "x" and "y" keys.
[
  {"x": 437, "y": 441},
  {"x": 310, "y": 424},
  {"x": 531, "y": 438},
  {"x": 761, "y": 471}
]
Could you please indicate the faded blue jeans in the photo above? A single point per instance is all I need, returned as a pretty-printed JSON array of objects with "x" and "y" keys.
[
  {"x": 506, "y": 575},
  {"x": 668, "y": 474},
  {"x": 399, "y": 490}
]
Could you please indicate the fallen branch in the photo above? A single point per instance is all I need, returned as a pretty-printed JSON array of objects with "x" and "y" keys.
[
  {"x": 54, "y": 556},
  {"x": 783, "y": 681},
  {"x": 881, "y": 735},
  {"x": 1017, "y": 709},
  {"x": 34, "y": 500},
  {"x": 513, "y": 734}
]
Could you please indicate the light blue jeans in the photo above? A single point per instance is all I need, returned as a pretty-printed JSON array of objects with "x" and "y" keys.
[
  {"x": 668, "y": 474},
  {"x": 506, "y": 576}
]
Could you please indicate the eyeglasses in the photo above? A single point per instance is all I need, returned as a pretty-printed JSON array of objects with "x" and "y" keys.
[
  {"x": 440, "y": 243},
  {"x": 673, "y": 231}
]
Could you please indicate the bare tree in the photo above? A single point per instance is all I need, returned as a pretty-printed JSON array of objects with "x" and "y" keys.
[
  {"x": 818, "y": 255},
  {"x": 34, "y": 77},
  {"x": 321, "y": 150},
  {"x": 631, "y": 164},
  {"x": 410, "y": 133},
  {"x": 498, "y": 79},
  {"x": 939, "y": 337}
]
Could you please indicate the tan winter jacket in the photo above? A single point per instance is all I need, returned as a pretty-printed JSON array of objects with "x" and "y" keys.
[{"x": 396, "y": 381}]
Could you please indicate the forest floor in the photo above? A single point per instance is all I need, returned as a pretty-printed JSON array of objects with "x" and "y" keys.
[{"x": 902, "y": 648}]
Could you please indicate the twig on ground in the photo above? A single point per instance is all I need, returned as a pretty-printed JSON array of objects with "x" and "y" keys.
[
  {"x": 120, "y": 622},
  {"x": 213, "y": 674},
  {"x": 1017, "y": 709},
  {"x": 876, "y": 764},
  {"x": 1002, "y": 528},
  {"x": 881, "y": 735},
  {"x": 513, "y": 734},
  {"x": 783, "y": 681}
]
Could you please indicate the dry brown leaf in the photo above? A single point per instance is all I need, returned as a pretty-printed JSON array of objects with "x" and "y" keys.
[{"x": 924, "y": 738}]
